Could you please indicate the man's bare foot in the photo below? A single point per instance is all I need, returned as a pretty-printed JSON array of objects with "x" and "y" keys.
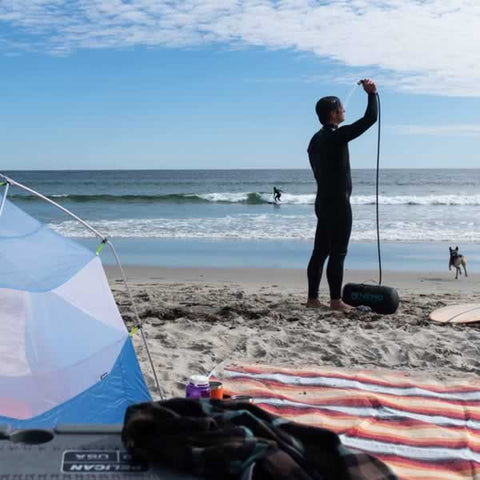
[
  {"x": 314, "y": 303},
  {"x": 339, "y": 305}
]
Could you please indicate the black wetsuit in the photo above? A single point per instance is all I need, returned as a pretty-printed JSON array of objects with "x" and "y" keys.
[{"x": 330, "y": 162}]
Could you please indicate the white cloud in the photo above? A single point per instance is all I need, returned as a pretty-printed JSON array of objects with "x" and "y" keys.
[
  {"x": 443, "y": 130},
  {"x": 420, "y": 46}
]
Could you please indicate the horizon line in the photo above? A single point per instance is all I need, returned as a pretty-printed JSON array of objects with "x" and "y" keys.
[{"x": 219, "y": 169}]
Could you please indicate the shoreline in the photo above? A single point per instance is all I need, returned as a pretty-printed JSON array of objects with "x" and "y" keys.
[
  {"x": 294, "y": 279},
  {"x": 279, "y": 254}
]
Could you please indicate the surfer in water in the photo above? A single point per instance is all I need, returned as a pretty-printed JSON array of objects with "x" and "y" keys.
[{"x": 277, "y": 193}]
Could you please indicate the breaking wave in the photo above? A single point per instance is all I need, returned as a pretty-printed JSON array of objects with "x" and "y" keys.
[
  {"x": 273, "y": 227},
  {"x": 256, "y": 198}
]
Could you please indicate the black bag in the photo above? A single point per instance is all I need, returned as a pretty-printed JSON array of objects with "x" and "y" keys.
[{"x": 380, "y": 299}]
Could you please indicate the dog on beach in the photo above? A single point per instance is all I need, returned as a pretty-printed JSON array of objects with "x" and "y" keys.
[{"x": 457, "y": 260}]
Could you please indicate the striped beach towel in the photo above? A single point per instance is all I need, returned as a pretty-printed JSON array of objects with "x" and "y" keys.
[{"x": 423, "y": 429}]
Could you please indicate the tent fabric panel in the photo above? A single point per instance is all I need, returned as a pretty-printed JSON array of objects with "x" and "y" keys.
[
  {"x": 15, "y": 307},
  {"x": 103, "y": 403},
  {"x": 60, "y": 335},
  {"x": 136, "y": 389},
  {"x": 90, "y": 292},
  {"x": 14, "y": 222},
  {"x": 33, "y": 257},
  {"x": 31, "y": 395},
  {"x": 65, "y": 353}
]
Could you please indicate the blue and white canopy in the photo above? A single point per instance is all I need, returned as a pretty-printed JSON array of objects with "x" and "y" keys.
[{"x": 65, "y": 353}]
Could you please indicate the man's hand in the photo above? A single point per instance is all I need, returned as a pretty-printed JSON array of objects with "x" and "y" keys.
[{"x": 369, "y": 85}]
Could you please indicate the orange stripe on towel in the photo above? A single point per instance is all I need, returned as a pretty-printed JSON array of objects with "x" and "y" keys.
[{"x": 422, "y": 428}]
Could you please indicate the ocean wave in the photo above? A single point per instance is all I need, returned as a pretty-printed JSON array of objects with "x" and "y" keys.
[
  {"x": 108, "y": 198},
  {"x": 249, "y": 198},
  {"x": 433, "y": 200},
  {"x": 256, "y": 198},
  {"x": 272, "y": 227}
]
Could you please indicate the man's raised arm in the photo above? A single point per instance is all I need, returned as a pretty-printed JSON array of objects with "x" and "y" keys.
[{"x": 354, "y": 130}]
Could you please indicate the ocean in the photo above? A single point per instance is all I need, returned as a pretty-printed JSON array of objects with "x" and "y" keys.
[{"x": 226, "y": 218}]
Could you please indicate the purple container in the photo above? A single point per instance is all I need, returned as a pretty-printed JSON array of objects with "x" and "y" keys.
[{"x": 198, "y": 387}]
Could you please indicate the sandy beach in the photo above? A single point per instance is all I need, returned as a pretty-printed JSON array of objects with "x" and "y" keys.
[{"x": 197, "y": 318}]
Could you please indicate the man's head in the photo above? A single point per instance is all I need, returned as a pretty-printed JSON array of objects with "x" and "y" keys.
[{"x": 330, "y": 110}]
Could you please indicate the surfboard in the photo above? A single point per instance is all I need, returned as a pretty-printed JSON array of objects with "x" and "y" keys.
[{"x": 464, "y": 313}]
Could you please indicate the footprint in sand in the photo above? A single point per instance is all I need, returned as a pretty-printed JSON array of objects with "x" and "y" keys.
[{"x": 199, "y": 347}]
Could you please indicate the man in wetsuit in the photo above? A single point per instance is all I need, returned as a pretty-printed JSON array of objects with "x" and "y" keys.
[{"x": 329, "y": 159}]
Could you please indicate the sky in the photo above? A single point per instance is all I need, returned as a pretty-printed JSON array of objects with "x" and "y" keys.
[{"x": 159, "y": 84}]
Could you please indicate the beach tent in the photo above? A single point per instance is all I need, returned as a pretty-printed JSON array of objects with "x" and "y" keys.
[{"x": 65, "y": 353}]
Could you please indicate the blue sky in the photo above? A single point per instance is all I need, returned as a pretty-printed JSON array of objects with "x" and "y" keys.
[{"x": 112, "y": 84}]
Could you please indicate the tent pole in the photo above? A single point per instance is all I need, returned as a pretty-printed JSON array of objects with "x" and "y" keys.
[
  {"x": 5, "y": 193},
  {"x": 9, "y": 181},
  {"x": 139, "y": 322}
]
